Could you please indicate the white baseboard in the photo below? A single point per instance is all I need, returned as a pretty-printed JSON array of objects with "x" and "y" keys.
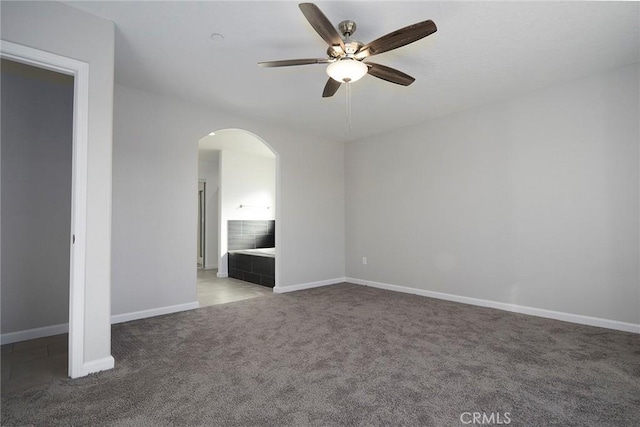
[
  {"x": 63, "y": 328},
  {"x": 210, "y": 267},
  {"x": 301, "y": 286},
  {"x": 98, "y": 365},
  {"x": 31, "y": 334},
  {"x": 222, "y": 275},
  {"x": 532, "y": 311},
  {"x": 143, "y": 314}
]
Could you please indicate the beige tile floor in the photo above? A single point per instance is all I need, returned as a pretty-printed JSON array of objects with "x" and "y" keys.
[
  {"x": 213, "y": 290},
  {"x": 35, "y": 362}
]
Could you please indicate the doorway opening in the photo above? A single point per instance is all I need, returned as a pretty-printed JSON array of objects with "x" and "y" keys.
[
  {"x": 240, "y": 171},
  {"x": 202, "y": 211},
  {"x": 72, "y": 236}
]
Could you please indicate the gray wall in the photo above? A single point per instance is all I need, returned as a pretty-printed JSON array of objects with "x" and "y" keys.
[
  {"x": 37, "y": 120},
  {"x": 63, "y": 30},
  {"x": 155, "y": 173},
  {"x": 532, "y": 201}
]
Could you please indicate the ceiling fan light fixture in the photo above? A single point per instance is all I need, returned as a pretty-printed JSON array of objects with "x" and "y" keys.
[{"x": 347, "y": 70}]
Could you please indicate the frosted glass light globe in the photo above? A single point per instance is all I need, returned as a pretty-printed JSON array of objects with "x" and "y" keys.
[{"x": 347, "y": 70}]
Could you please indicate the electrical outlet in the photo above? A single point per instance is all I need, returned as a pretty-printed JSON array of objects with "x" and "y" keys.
[{"x": 364, "y": 260}]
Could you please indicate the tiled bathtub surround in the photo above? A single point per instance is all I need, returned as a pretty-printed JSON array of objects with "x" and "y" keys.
[
  {"x": 251, "y": 234},
  {"x": 247, "y": 235},
  {"x": 258, "y": 269}
]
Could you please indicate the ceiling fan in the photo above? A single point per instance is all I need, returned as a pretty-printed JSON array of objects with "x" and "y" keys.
[{"x": 345, "y": 55}]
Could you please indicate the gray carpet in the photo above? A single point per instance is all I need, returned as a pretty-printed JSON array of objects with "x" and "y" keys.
[{"x": 348, "y": 355}]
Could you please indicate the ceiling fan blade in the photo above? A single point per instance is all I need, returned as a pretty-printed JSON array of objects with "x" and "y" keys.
[
  {"x": 321, "y": 24},
  {"x": 330, "y": 88},
  {"x": 290, "y": 62},
  {"x": 389, "y": 74},
  {"x": 398, "y": 38}
]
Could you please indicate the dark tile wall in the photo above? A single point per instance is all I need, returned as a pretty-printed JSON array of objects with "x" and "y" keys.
[
  {"x": 252, "y": 234},
  {"x": 253, "y": 268}
]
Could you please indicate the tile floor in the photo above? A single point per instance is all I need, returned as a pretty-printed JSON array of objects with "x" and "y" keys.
[
  {"x": 213, "y": 290},
  {"x": 30, "y": 363},
  {"x": 40, "y": 361}
]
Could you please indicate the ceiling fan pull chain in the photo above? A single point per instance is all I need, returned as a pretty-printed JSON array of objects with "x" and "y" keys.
[{"x": 348, "y": 92}]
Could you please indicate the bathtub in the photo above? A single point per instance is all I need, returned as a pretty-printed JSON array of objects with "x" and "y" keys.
[
  {"x": 266, "y": 252},
  {"x": 253, "y": 265}
]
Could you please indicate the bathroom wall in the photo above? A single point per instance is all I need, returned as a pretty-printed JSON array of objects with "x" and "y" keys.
[
  {"x": 250, "y": 234},
  {"x": 247, "y": 192}
]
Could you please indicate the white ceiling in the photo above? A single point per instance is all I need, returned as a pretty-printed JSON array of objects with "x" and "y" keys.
[{"x": 482, "y": 52}]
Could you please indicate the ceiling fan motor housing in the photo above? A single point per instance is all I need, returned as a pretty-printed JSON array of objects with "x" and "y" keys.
[
  {"x": 350, "y": 49},
  {"x": 347, "y": 28}
]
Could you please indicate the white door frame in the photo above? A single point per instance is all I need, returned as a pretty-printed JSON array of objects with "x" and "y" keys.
[
  {"x": 80, "y": 71},
  {"x": 203, "y": 221}
]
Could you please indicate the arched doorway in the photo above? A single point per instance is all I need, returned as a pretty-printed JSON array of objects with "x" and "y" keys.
[{"x": 238, "y": 212}]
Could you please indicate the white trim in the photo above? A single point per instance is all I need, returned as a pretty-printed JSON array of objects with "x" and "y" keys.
[
  {"x": 31, "y": 334},
  {"x": 143, "y": 314},
  {"x": 63, "y": 328},
  {"x": 203, "y": 221},
  {"x": 279, "y": 222},
  {"x": 532, "y": 311},
  {"x": 210, "y": 267},
  {"x": 309, "y": 285},
  {"x": 222, "y": 240},
  {"x": 98, "y": 365},
  {"x": 80, "y": 71}
]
